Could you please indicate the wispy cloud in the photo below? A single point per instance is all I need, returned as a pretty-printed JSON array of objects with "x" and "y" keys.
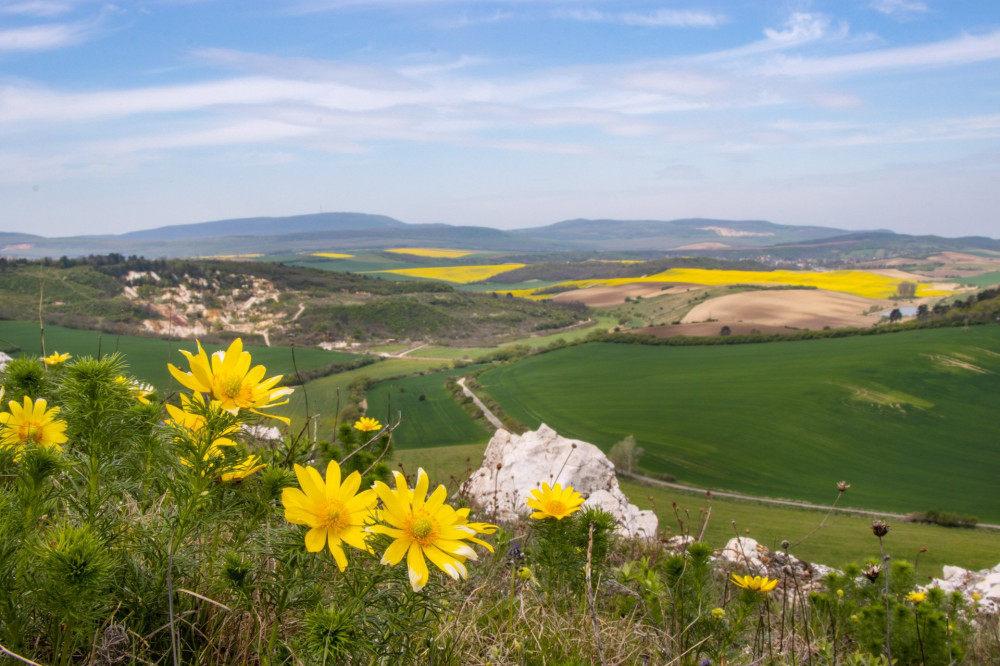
[
  {"x": 661, "y": 18},
  {"x": 900, "y": 8},
  {"x": 44, "y": 37},
  {"x": 958, "y": 51}
]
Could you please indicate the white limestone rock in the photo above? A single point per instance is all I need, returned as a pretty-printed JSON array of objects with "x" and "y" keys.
[
  {"x": 514, "y": 465},
  {"x": 4, "y": 360}
]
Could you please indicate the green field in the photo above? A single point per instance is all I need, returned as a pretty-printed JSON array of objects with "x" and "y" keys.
[
  {"x": 436, "y": 420},
  {"x": 909, "y": 419},
  {"x": 148, "y": 357},
  {"x": 843, "y": 539},
  {"x": 327, "y": 395},
  {"x": 982, "y": 280}
]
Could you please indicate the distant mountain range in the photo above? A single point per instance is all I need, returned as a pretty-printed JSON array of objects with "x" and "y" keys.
[{"x": 359, "y": 231}]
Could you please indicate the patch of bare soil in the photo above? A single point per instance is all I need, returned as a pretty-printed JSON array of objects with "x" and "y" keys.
[
  {"x": 796, "y": 308},
  {"x": 602, "y": 297}
]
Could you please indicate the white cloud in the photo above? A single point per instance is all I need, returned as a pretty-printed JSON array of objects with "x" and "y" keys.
[
  {"x": 661, "y": 18},
  {"x": 43, "y": 37},
  {"x": 900, "y": 8},
  {"x": 959, "y": 51},
  {"x": 37, "y": 8}
]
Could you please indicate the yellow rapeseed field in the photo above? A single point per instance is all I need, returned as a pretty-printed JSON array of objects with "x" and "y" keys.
[
  {"x": 461, "y": 274},
  {"x": 332, "y": 255},
  {"x": 435, "y": 252},
  {"x": 231, "y": 256},
  {"x": 859, "y": 283}
]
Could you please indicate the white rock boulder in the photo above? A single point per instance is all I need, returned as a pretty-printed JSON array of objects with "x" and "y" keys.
[{"x": 514, "y": 465}]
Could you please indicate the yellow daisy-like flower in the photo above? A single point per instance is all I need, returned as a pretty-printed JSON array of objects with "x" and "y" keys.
[
  {"x": 55, "y": 358},
  {"x": 365, "y": 424},
  {"x": 32, "y": 423},
  {"x": 554, "y": 501},
  {"x": 422, "y": 527},
  {"x": 755, "y": 583},
  {"x": 916, "y": 597},
  {"x": 186, "y": 417},
  {"x": 336, "y": 513},
  {"x": 241, "y": 470},
  {"x": 477, "y": 528},
  {"x": 228, "y": 378},
  {"x": 140, "y": 390}
]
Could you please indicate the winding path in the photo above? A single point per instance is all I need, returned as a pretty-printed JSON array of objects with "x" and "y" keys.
[{"x": 490, "y": 416}]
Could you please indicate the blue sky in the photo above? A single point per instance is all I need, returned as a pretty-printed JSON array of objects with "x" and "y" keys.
[{"x": 857, "y": 114}]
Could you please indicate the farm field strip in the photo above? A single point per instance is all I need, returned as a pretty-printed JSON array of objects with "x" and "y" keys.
[
  {"x": 786, "y": 419},
  {"x": 859, "y": 283},
  {"x": 459, "y": 274},
  {"x": 433, "y": 252}
]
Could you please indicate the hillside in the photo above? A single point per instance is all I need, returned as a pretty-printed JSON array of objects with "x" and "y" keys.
[
  {"x": 212, "y": 299},
  {"x": 888, "y": 413}
]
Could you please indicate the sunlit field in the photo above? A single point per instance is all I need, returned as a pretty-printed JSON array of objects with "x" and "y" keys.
[
  {"x": 460, "y": 274},
  {"x": 859, "y": 283},
  {"x": 332, "y": 255},
  {"x": 433, "y": 252}
]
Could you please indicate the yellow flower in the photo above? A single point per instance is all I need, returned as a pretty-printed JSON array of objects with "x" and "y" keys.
[
  {"x": 554, "y": 501},
  {"x": 755, "y": 583},
  {"x": 422, "y": 527},
  {"x": 335, "y": 513},
  {"x": 916, "y": 597},
  {"x": 140, "y": 390},
  {"x": 478, "y": 528},
  {"x": 840, "y": 594},
  {"x": 229, "y": 379},
  {"x": 55, "y": 358},
  {"x": 243, "y": 469},
  {"x": 718, "y": 613},
  {"x": 975, "y": 595},
  {"x": 32, "y": 423},
  {"x": 187, "y": 418},
  {"x": 365, "y": 424}
]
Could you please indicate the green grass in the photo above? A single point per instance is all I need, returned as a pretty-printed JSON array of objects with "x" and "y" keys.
[
  {"x": 982, "y": 280},
  {"x": 437, "y": 420},
  {"x": 449, "y": 465},
  {"x": 148, "y": 357},
  {"x": 843, "y": 539},
  {"x": 323, "y": 392},
  {"x": 787, "y": 419}
]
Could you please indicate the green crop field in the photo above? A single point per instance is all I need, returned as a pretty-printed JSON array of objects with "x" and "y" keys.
[
  {"x": 148, "y": 357},
  {"x": 843, "y": 539},
  {"x": 909, "y": 419},
  {"x": 327, "y": 395},
  {"x": 435, "y": 420}
]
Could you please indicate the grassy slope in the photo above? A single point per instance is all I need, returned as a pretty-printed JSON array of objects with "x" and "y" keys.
[
  {"x": 148, "y": 357},
  {"x": 782, "y": 420},
  {"x": 435, "y": 421},
  {"x": 842, "y": 540}
]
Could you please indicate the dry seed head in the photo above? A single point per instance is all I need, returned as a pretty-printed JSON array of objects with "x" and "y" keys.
[
  {"x": 843, "y": 485},
  {"x": 879, "y": 528}
]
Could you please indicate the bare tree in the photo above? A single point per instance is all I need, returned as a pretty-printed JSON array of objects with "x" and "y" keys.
[{"x": 625, "y": 454}]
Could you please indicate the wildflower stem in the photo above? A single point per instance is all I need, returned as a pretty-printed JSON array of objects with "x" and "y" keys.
[
  {"x": 888, "y": 636},
  {"x": 15, "y": 655},
  {"x": 590, "y": 594}
]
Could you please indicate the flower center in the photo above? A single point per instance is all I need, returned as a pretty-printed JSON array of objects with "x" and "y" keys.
[
  {"x": 231, "y": 385},
  {"x": 556, "y": 507},
  {"x": 337, "y": 517},
  {"x": 423, "y": 530},
  {"x": 31, "y": 432}
]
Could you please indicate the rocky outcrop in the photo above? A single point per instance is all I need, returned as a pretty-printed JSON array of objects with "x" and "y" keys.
[
  {"x": 981, "y": 586},
  {"x": 514, "y": 465}
]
